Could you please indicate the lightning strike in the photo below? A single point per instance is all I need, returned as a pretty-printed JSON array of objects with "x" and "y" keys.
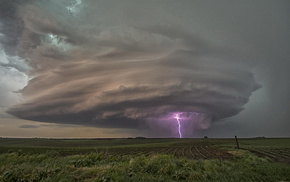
[{"x": 179, "y": 125}]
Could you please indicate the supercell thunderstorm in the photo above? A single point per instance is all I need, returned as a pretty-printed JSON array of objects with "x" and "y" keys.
[{"x": 88, "y": 71}]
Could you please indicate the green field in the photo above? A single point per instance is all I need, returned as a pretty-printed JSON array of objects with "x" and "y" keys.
[{"x": 258, "y": 159}]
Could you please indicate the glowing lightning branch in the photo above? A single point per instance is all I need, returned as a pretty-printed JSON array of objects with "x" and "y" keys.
[{"x": 179, "y": 126}]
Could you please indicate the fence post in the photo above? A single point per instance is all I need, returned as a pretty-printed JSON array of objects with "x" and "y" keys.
[{"x": 238, "y": 145}]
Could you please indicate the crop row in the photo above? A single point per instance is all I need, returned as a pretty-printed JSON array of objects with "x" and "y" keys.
[
  {"x": 191, "y": 152},
  {"x": 273, "y": 153}
]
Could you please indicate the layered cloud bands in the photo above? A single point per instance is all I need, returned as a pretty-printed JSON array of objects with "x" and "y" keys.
[{"x": 85, "y": 71}]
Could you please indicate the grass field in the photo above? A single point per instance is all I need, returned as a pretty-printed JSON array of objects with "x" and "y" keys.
[{"x": 259, "y": 159}]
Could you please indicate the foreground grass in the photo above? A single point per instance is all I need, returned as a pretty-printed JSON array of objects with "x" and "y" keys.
[{"x": 50, "y": 166}]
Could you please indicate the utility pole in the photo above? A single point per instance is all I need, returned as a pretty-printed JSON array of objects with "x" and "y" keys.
[{"x": 238, "y": 145}]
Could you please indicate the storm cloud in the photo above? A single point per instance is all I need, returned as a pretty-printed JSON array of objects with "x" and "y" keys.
[
  {"x": 92, "y": 63},
  {"x": 121, "y": 71}
]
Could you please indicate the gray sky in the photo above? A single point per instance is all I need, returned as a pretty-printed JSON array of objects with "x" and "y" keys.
[{"x": 125, "y": 68}]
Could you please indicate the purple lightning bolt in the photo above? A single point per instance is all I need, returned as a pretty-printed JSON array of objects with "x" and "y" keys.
[{"x": 179, "y": 126}]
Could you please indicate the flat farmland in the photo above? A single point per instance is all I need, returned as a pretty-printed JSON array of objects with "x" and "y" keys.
[
  {"x": 144, "y": 159},
  {"x": 189, "y": 148}
]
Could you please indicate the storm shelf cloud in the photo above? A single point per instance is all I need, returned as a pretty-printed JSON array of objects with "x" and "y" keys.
[{"x": 89, "y": 66}]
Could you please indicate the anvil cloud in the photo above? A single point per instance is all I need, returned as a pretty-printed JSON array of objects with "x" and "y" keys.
[{"x": 92, "y": 66}]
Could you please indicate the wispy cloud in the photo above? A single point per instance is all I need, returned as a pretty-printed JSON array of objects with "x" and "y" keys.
[{"x": 28, "y": 126}]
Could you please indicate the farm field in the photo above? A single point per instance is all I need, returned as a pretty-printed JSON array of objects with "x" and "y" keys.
[
  {"x": 189, "y": 148},
  {"x": 37, "y": 159}
]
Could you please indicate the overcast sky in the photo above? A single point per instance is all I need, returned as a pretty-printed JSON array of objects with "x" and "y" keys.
[{"x": 89, "y": 68}]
